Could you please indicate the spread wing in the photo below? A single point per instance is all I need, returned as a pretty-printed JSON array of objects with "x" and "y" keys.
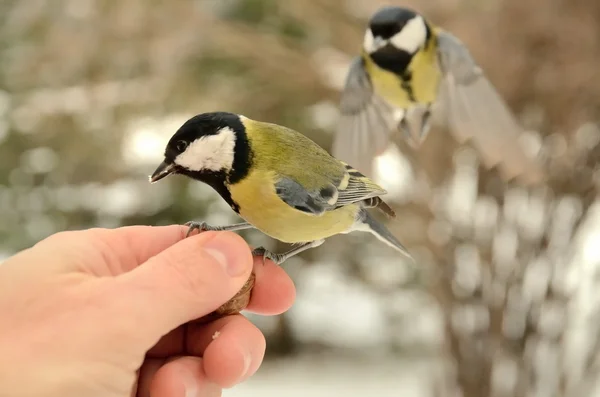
[
  {"x": 351, "y": 187},
  {"x": 366, "y": 121},
  {"x": 475, "y": 111}
]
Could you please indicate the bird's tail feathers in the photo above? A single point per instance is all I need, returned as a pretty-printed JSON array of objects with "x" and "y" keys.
[{"x": 382, "y": 233}]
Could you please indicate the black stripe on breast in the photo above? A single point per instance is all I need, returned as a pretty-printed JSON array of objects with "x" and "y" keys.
[
  {"x": 396, "y": 61},
  {"x": 216, "y": 180},
  {"x": 406, "y": 85}
]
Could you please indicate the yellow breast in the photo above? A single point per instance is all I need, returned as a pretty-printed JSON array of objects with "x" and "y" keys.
[
  {"x": 425, "y": 81},
  {"x": 260, "y": 206}
]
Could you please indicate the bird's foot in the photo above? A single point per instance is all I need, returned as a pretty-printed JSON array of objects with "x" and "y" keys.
[
  {"x": 200, "y": 226},
  {"x": 203, "y": 227},
  {"x": 415, "y": 133},
  {"x": 409, "y": 134},
  {"x": 425, "y": 124},
  {"x": 278, "y": 259}
]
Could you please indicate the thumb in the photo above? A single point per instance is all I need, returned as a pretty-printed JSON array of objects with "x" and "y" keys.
[{"x": 187, "y": 280}]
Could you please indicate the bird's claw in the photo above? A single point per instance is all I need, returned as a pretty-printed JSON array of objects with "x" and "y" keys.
[
  {"x": 200, "y": 226},
  {"x": 266, "y": 254}
]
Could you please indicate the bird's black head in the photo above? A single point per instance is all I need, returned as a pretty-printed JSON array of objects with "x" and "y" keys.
[
  {"x": 389, "y": 21},
  {"x": 208, "y": 145},
  {"x": 394, "y": 35}
]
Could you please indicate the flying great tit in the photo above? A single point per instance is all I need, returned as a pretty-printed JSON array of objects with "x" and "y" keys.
[{"x": 406, "y": 69}]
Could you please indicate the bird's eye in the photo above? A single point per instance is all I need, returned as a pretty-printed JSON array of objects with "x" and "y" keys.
[{"x": 181, "y": 145}]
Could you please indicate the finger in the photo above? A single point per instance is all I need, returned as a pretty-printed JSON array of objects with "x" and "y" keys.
[
  {"x": 121, "y": 249},
  {"x": 273, "y": 291},
  {"x": 147, "y": 372},
  {"x": 172, "y": 344},
  {"x": 233, "y": 348},
  {"x": 131, "y": 246},
  {"x": 184, "y": 282},
  {"x": 183, "y": 377},
  {"x": 198, "y": 337}
]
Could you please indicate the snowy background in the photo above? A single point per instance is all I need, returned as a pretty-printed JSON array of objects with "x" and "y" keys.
[{"x": 505, "y": 302}]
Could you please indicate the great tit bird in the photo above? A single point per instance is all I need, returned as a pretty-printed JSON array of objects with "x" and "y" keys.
[
  {"x": 278, "y": 180},
  {"x": 407, "y": 68}
]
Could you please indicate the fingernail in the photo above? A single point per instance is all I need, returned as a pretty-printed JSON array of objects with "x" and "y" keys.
[
  {"x": 229, "y": 254},
  {"x": 190, "y": 384},
  {"x": 194, "y": 386},
  {"x": 247, "y": 361}
]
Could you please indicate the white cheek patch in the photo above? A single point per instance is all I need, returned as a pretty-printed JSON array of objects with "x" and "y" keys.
[
  {"x": 372, "y": 44},
  {"x": 412, "y": 36},
  {"x": 211, "y": 152},
  {"x": 369, "y": 42}
]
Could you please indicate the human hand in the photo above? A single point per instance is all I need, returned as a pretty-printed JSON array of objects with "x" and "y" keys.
[{"x": 106, "y": 313}]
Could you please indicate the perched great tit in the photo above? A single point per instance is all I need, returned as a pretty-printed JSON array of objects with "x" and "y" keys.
[
  {"x": 406, "y": 68},
  {"x": 278, "y": 180}
]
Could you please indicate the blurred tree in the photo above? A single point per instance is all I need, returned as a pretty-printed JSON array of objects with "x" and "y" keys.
[{"x": 91, "y": 89}]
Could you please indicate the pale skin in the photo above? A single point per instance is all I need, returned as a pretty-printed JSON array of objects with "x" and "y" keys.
[{"x": 107, "y": 313}]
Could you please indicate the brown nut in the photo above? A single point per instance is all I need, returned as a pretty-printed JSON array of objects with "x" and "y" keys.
[
  {"x": 233, "y": 306},
  {"x": 240, "y": 301}
]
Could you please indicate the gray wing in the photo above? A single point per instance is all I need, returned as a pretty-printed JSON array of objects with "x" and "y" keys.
[
  {"x": 366, "y": 121},
  {"x": 476, "y": 112},
  {"x": 353, "y": 187}
]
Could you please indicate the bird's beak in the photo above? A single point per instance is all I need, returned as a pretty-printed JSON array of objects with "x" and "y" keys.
[{"x": 164, "y": 169}]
